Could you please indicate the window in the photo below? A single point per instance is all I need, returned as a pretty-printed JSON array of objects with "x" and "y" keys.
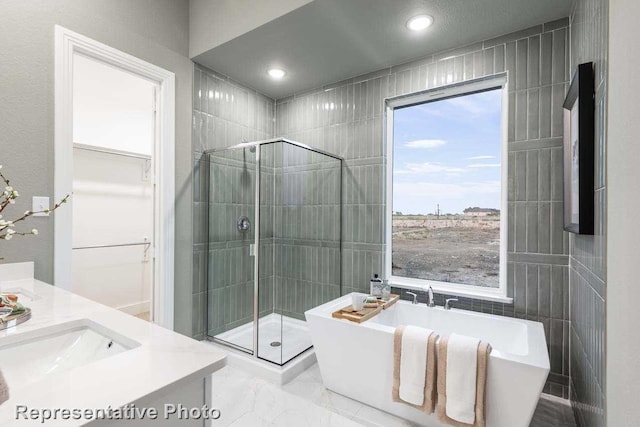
[{"x": 447, "y": 189}]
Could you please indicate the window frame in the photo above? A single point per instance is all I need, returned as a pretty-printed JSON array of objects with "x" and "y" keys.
[{"x": 468, "y": 87}]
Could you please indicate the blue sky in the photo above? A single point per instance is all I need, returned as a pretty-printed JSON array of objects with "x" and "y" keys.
[{"x": 448, "y": 152}]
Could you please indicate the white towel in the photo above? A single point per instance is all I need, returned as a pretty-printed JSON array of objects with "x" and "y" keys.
[
  {"x": 413, "y": 364},
  {"x": 462, "y": 362}
]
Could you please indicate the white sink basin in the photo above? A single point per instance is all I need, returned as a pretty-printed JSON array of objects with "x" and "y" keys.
[{"x": 26, "y": 358}]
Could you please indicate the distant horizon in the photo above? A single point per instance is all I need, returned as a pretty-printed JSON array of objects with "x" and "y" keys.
[
  {"x": 396, "y": 213},
  {"x": 448, "y": 153}
]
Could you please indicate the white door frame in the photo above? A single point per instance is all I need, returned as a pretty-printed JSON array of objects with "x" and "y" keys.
[{"x": 68, "y": 43}]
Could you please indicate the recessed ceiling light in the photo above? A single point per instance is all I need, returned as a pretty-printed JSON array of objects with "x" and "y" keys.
[
  {"x": 419, "y": 22},
  {"x": 276, "y": 73}
]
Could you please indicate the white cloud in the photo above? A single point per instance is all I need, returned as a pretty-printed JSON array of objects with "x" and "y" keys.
[
  {"x": 420, "y": 168},
  {"x": 474, "y": 106},
  {"x": 470, "y": 106},
  {"x": 484, "y": 165},
  {"x": 446, "y": 191},
  {"x": 481, "y": 157},
  {"x": 425, "y": 143}
]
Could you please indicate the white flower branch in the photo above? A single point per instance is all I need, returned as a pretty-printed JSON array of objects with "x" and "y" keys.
[{"x": 8, "y": 197}]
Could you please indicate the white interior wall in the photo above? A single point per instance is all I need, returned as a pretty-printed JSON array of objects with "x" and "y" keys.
[
  {"x": 113, "y": 204},
  {"x": 112, "y": 108},
  {"x": 156, "y": 31},
  {"x": 623, "y": 233},
  {"x": 112, "y": 194}
]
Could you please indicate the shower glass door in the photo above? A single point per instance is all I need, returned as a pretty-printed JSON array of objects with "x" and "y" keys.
[
  {"x": 274, "y": 239},
  {"x": 300, "y": 229},
  {"x": 232, "y": 225},
  {"x": 270, "y": 323}
]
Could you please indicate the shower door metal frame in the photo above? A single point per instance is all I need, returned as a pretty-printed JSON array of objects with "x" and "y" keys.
[
  {"x": 256, "y": 256},
  {"x": 256, "y": 238}
]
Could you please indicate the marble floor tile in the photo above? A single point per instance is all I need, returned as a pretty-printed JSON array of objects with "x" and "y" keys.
[
  {"x": 250, "y": 401},
  {"x": 308, "y": 385},
  {"x": 245, "y": 400}
]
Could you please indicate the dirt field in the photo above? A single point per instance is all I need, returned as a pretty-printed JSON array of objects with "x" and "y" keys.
[{"x": 467, "y": 255}]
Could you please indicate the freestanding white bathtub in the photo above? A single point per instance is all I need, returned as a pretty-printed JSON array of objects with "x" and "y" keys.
[{"x": 356, "y": 360}]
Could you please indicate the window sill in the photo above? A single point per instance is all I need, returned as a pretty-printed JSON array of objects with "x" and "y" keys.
[{"x": 466, "y": 291}]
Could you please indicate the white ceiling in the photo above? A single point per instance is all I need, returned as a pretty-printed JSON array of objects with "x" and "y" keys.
[{"x": 327, "y": 41}]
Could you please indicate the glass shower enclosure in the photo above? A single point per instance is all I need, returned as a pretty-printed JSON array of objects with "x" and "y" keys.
[{"x": 275, "y": 229}]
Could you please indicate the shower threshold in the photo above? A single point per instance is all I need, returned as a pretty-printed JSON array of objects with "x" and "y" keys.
[
  {"x": 295, "y": 345},
  {"x": 280, "y": 338}
]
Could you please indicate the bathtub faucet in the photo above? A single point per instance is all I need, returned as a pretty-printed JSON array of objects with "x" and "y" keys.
[
  {"x": 415, "y": 297},
  {"x": 431, "y": 302},
  {"x": 447, "y": 304}
]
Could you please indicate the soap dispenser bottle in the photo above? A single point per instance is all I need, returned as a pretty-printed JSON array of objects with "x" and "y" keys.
[{"x": 376, "y": 286}]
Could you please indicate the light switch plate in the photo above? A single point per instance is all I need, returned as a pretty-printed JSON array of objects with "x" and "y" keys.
[{"x": 40, "y": 204}]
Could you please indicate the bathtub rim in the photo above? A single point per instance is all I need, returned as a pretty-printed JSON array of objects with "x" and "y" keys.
[{"x": 537, "y": 355}]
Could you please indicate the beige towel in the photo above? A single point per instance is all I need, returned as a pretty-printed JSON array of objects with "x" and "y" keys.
[
  {"x": 4, "y": 390},
  {"x": 429, "y": 383},
  {"x": 484, "y": 349}
]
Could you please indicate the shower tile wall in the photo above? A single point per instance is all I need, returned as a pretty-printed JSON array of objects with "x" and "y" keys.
[
  {"x": 589, "y": 41},
  {"x": 225, "y": 113},
  {"x": 346, "y": 119},
  {"x": 231, "y": 278},
  {"x": 307, "y": 229}
]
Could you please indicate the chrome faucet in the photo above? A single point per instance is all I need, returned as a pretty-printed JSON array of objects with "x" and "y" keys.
[
  {"x": 415, "y": 297},
  {"x": 447, "y": 304},
  {"x": 431, "y": 302}
]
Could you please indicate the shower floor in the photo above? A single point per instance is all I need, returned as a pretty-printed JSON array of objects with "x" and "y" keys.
[{"x": 293, "y": 335}]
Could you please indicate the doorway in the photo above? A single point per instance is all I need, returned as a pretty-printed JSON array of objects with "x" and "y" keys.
[
  {"x": 114, "y": 151},
  {"x": 113, "y": 180}
]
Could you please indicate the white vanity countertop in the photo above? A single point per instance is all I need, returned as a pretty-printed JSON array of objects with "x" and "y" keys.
[{"x": 164, "y": 360}]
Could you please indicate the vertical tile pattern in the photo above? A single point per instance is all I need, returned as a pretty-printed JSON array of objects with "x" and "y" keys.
[
  {"x": 347, "y": 119},
  {"x": 536, "y": 62},
  {"x": 300, "y": 209},
  {"x": 356, "y": 134},
  {"x": 230, "y": 267},
  {"x": 589, "y": 41},
  {"x": 225, "y": 113},
  {"x": 306, "y": 228}
]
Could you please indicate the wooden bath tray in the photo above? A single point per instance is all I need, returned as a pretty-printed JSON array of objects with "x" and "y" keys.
[
  {"x": 15, "y": 319},
  {"x": 366, "y": 313}
]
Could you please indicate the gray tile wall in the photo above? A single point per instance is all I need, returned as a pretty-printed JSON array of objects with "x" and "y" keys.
[
  {"x": 346, "y": 118},
  {"x": 589, "y": 42},
  {"x": 299, "y": 230},
  {"x": 307, "y": 204},
  {"x": 230, "y": 269},
  {"x": 224, "y": 113}
]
